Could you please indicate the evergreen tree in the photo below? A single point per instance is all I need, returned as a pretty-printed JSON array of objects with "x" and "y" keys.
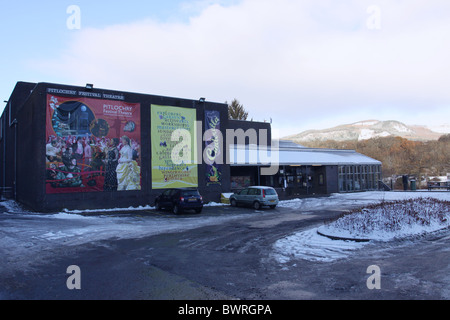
[{"x": 236, "y": 111}]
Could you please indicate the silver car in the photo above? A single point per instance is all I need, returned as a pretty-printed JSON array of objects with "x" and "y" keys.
[{"x": 255, "y": 197}]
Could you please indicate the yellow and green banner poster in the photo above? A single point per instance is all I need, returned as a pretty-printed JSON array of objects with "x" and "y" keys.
[
  {"x": 166, "y": 122},
  {"x": 93, "y": 145}
]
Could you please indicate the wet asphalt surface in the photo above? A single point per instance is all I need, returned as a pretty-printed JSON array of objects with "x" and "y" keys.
[{"x": 230, "y": 260}]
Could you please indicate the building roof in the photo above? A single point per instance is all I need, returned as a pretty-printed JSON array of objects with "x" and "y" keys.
[{"x": 250, "y": 155}]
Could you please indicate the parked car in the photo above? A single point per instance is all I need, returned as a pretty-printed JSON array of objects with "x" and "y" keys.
[
  {"x": 179, "y": 200},
  {"x": 255, "y": 197}
]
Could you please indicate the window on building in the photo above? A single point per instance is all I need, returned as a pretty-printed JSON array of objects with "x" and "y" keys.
[
  {"x": 321, "y": 179},
  {"x": 356, "y": 178}
]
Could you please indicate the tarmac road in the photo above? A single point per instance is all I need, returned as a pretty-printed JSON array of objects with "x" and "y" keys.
[{"x": 232, "y": 259}]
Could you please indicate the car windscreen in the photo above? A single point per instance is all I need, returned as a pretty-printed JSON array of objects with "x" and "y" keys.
[{"x": 190, "y": 193}]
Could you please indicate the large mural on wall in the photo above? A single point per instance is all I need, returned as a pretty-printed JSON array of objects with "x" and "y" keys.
[
  {"x": 166, "y": 174},
  {"x": 213, "y": 148},
  {"x": 93, "y": 145}
]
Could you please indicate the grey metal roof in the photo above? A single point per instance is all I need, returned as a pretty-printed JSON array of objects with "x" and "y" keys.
[{"x": 250, "y": 155}]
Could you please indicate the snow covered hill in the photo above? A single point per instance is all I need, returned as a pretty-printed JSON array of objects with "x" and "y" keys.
[{"x": 367, "y": 129}]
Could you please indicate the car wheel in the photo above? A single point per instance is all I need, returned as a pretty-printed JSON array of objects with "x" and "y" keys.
[
  {"x": 233, "y": 203},
  {"x": 199, "y": 210},
  {"x": 256, "y": 205},
  {"x": 158, "y": 205},
  {"x": 176, "y": 209}
]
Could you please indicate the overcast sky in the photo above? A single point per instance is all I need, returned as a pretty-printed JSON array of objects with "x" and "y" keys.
[{"x": 305, "y": 64}]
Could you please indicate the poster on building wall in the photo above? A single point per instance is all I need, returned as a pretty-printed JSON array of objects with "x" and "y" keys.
[
  {"x": 93, "y": 145},
  {"x": 166, "y": 174},
  {"x": 213, "y": 151}
]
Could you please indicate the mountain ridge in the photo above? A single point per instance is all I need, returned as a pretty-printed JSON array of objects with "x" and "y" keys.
[{"x": 367, "y": 129}]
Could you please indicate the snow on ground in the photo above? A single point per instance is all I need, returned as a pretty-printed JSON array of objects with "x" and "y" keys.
[
  {"x": 340, "y": 201},
  {"x": 27, "y": 236},
  {"x": 310, "y": 245},
  {"x": 81, "y": 226},
  {"x": 23, "y": 232},
  {"x": 391, "y": 220},
  {"x": 110, "y": 210}
]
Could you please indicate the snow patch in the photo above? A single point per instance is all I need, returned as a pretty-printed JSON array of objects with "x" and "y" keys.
[
  {"x": 444, "y": 128},
  {"x": 394, "y": 219},
  {"x": 215, "y": 204},
  {"x": 12, "y": 206},
  {"x": 309, "y": 245},
  {"x": 401, "y": 128},
  {"x": 367, "y": 134},
  {"x": 367, "y": 123},
  {"x": 139, "y": 208}
]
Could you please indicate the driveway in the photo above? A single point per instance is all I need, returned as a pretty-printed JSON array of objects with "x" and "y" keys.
[{"x": 224, "y": 253}]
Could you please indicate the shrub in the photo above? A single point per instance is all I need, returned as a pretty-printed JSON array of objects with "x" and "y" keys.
[{"x": 395, "y": 216}]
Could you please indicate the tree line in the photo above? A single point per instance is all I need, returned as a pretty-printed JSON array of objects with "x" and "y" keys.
[{"x": 400, "y": 156}]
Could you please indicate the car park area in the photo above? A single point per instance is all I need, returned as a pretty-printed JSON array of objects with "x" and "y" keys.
[{"x": 223, "y": 253}]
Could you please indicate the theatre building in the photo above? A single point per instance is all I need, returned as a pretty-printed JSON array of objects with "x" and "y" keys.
[
  {"x": 87, "y": 148},
  {"x": 306, "y": 171}
]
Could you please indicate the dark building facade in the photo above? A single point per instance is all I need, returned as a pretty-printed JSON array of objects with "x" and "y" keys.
[
  {"x": 81, "y": 147},
  {"x": 74, "y": 147}
]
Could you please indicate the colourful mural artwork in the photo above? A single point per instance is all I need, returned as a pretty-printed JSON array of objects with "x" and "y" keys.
[{"x": 93, "y": 145}]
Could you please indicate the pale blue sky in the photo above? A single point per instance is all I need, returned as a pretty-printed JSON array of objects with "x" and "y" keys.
[
  {"x": 38, "y": 30},
  {"x": 34, "y": 30},
  {"x": 307, "y": 64}
]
